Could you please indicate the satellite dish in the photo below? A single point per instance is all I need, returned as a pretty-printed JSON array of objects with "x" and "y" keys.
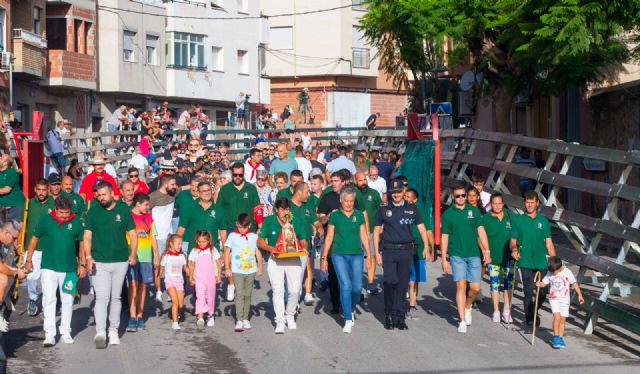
[{"x": 466, "y": 81}]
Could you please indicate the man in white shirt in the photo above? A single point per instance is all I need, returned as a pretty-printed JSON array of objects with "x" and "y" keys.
[
  {"x": 253, "y": 165},
  {"x": 139, "y": 162},
  {"x": 304, "y": 165},
  {"x": 161, "y": 202},
  {"x": 377, "y": 183},
  {"x": 341, "y": 162}
]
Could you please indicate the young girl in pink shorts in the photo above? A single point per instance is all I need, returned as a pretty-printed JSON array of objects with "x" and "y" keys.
[
  {"x": 173, "y": 264},
  {"x": 205, "y": 272}
]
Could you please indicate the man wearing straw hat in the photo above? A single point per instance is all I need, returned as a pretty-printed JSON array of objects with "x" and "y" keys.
[
  {"x": 530, "y": 244},
  {"x": 98, "y": 173}
]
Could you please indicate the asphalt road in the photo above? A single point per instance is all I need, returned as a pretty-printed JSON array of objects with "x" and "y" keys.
[{"x": 432, "y": 343}]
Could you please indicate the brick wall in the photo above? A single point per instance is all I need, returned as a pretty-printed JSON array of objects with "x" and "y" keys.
[
  {"x": 316, "y": 101},
  {"x": 71, "y": 65},
  {"x": 389, "y": 106}
]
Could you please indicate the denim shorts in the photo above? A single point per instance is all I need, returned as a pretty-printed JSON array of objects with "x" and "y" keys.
[
  {"x": 466, "y": 269},
  {"x": 141, "y": 272},
  {"x": 112, "y": 127},
  {"x": 418, "y": 271}
]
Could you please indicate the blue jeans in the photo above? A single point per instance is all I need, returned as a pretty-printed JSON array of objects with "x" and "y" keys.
[{"x": 349, "y": 273}]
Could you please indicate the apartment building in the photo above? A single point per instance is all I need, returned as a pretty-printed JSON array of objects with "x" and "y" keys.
[
  {"x": 326, "y": 53},
  {"x": 186, "y": 52}
]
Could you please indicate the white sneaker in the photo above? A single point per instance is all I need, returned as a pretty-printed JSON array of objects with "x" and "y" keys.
[
  {"x": 231, "y": 292},
  {"x": 308, "y": 299},
  {"x": 462, "y": 327},
  {"x": 200, "y": 322},
  {"x": 347, "y": 327},
  {"x": 114, "y": 339},
  {"x": 100, "y": 340},
  {"x": 4, "y": 325},
  {"x": 496, "y": 317},
  {"x": 239, "y": 327},
  {"x": 159, "y": 296},
  {"x": 49, "y": 341},
  {"x": 467, "y": 316},
  {"x": 280, "y": 328},
  {"x": 291, "y": 322},
  {"x": 66, "y": 339},
  {"x": 246, "y": 325},
  {"x": 211, "y": 322},
  {"x": 175, "y": 326}
]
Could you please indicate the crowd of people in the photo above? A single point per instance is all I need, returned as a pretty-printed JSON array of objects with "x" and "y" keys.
[{"x": 203, "y": 223}]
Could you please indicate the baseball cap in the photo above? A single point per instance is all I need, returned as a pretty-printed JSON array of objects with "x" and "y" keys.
[
  {"x": 396, "y": 185},
  {"x": 54, "y": 178}
]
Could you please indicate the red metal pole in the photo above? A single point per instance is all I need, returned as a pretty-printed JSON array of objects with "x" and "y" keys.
[{"x": 436, "y": 179}]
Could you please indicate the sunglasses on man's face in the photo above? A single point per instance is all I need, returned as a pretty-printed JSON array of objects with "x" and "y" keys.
[
  {"x": 238, "y": 175},
  {"x": 460, "y": 195},
  {"x": 134, "y": 175}
]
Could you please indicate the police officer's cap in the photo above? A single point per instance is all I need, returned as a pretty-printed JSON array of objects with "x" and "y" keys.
[{"x": 396, "y": 185}]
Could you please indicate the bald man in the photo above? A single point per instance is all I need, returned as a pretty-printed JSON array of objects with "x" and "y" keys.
[{"x": 77, "y": 203}]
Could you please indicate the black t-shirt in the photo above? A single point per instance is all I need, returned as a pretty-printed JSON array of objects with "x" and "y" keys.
[
  {"x": 330, "y": 202},
  {"x": 317, "y": 164},
  {"x": 397, "y": 222},
  {"x": 371, "y": 125}
]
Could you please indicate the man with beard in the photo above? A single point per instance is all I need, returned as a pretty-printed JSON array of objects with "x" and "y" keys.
[
  {"x": 236, "y": 198},
  {"x": 162, "y": 202},
  {"x": 105, "y": 238},
  {"x": 78, "y": 206},
  {"x": 39, "y": 206},
  {"x": 98, "y": 173},
  {"x": 168, "y": 167},
  {"x": 368, "y": 200},
  {"x": 54, "y": 185}
]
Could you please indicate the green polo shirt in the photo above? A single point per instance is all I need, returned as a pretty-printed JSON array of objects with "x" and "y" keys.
[
  {"x": 109, "y": 232},
  {"x": 369, "y": 201},
  {"x": 314, "y": 201},
  {"x": 285, "y": 193},
  {"x": 125, "y": 205},
  {"x": 78, "y": 206},
  {"x": 346, "y": 232},
  {"x": 59, "y": 254},
  {"x": 37, "y": 210},
  {"x": 499, "y": 234},
  {"x": 10, "y": 178},
  {"x": 184, "y": 202},
  {"x": 271, "y": 227},
  {"x": 416, "y": 235},
  {"x": 234, "y": 201},
  {"x": 198, "y": 218},
  {"x": 306, "y": 214},
  {"x": 462, "y": 227},
  {"x": 531, "y": 234}
]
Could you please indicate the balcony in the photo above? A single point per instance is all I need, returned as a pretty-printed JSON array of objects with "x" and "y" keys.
[
  {"x": 71, "y": 69},
  {"x": 30, "y": 51},
  {"x": 360, "y": 58}
]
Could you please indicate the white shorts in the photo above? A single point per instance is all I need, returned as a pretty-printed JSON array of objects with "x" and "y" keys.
[{"x": 561, "y": 307}]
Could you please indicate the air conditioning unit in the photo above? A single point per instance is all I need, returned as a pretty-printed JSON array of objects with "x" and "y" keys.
[{"x": 5, "y": 60}]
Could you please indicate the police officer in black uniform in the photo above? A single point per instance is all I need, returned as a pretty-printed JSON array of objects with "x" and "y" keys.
[{"x": 394, "y": 250}]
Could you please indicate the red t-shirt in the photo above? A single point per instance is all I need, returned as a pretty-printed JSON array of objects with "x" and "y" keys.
[
  {"x": 86, "y": 187},
  {"x": 141, "y": 186}
]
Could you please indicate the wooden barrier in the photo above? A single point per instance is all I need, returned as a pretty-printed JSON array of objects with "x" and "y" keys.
[{"x": 474, "y": 150}]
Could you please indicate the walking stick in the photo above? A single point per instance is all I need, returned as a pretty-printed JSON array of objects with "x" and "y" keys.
[
  {"x": 536, "y": 279},
  {"x": 21, "y": 245},
  {"x": 513, "y": 290}
]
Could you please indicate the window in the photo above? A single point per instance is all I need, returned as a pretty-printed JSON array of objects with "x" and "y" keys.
[
  {"x": 243, "y": 6},
  {"x": 217, "y": 59},
  {"x": 243, "y": 62},
  {"x": 37, "y": 18},
  {"x": 128, "y": 46},
  {"x": 152, "y": 50},
  {"x": 185, "y": 50},
  {"x": 77, "y": 46},
  {"x": 3, "y": 15},
  {"x": 281, "y": 38},
  {"x": 56, "y": 33}
]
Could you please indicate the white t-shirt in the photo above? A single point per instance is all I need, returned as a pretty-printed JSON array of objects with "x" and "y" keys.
[
  {"x": 162, "y": 216},
  {"x": 139, "y": 162},
  {"x": 485, "y": 199},
  {"x": 195, "y": 254},
  {"x": 304, "y": 166},
  {"x": 306, "y": 141},
  {"x": 173, "y": 265},
  {"x": 560, "y": 285},
  {"x": 243, "y": 252},
  {"x": 379, "y": 185},
  {"x": 248, "y": 170}
]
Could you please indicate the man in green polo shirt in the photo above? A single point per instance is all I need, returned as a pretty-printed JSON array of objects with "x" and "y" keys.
[
  {"x": 59, "y": 231},
  {"x": 369, "y": 201},
  {"x": 461, "y": 229},
  {"x": 105, "y": 238},
  {"x": 11, "y": 196},
  {"x": 295, "y": 177},
  {"x": 185, "y": 200},
  {"x": 39, "y": 206},
  {"x": 530, "y": 244},
  {"x": 78, "y": 206},
  {"x": 205, "y": 215},
  {"x": 306, "y": 213},
  {"x": 236, "y": 198}
]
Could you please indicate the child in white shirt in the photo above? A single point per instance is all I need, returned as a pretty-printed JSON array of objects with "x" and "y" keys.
[{"x": 561, "y": 279}]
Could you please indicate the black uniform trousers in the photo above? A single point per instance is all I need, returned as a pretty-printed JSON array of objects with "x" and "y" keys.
[
  {"x": 334, "y": 286},
  {"x": 529, "y": 290},
  {"x": 396, "y": 264}
]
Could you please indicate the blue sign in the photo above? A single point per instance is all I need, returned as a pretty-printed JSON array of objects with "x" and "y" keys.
[{"x": 441, "y": 109}]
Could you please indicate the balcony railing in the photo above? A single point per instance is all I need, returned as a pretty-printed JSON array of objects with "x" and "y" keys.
[
  {"x": 360, "y": 58},
  {"x": 30, "y": 38},
  {"x": 358, "y": 5}
]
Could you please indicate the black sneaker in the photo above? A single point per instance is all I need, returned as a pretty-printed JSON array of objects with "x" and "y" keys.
[
  {"x": 401, "y": 324},
  {"x": 388, "y": 323},
  {"x": 32, "y": 308}
]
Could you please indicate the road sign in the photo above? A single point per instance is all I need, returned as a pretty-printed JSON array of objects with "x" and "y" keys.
[{"x": 441, "y": 109}]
